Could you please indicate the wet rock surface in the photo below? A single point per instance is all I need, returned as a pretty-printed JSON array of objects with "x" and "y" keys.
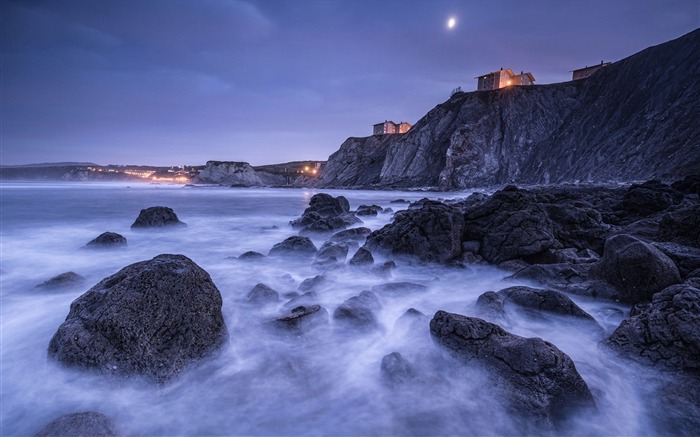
[
  {"x": 358, "y": 312},
  {"x": 396, "y": 370},
  {"x": 539, "y": 380},
  {"x": 262, "y": 294},
  {"x": 107, "y": 240},
  {"x": 325, "y": 214},
  {"x": 294, "y": 246},
  {"x": 665, "y": 332},
  {"x": 302, "y": 319},
  {"x": 87, "y": 424},
  {"x": 152, "y": 318},
  {"x": 546, "y": 301},
  {"x": 362, "y": 257},
  {"x": 63, "y": 281},
  {"x": 157, "y": 217}
]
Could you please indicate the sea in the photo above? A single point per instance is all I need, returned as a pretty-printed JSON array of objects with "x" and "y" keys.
[{"x": 261, "y": 383}]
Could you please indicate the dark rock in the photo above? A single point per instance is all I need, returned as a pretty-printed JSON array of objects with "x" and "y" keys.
[
  {"x": 302, "y": 319},
  {"x": 399, "y": 288},
  {"x": 325, "y": 214},
  {"x": 400, "y": 201},
  {"x": 387, "y": 210},
  {"x": 548, "y": 301},
  {"x": 362, "y": 257},
  {"x": 490, "y": 306},
  {"x": 107, "y": 240},
  {"x": 540, "y": 381},
  {"x": 681, "y": 226},
  {"x": 571, "y": 278},
  {"x": 675, "y": 410},
  {"x": 686, "y": 258},
  {"x": 368, "y": 210},
  {"x": 636, "y": 268},
  {"x": 250, "y": 255},
  {"x": 396, "y": 370},
  {"x": 306, "y": 299},
  {"x": 352, "y": 237},
  {"x": 295, "y": 246},
  {"x": 689, "y": 185},
  {"x": 577, "y": 224},
  {"x": 357, "y": 313},
  {"x": 63, "y": 281},
  {"x": 431, "y": 233},
  {"x": 315, "y": 283},
  {"x": 384, "y": 269},
  {"x": 152, "y": 318},
  {"x": 509, "y": 225},
  {"x": 650, "y": 197},
  {"x": 157, "y": 217},
  {"x": 87, "y": 424},
  {"x": 262, "y": 294},
  {"x": 665, "y": 332},
  {"x": 331, "y": 253}
]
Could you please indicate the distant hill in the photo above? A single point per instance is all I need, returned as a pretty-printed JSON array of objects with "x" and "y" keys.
[
  {"x": 52, "y": 164},
  {"x": 635, "y": 119}
]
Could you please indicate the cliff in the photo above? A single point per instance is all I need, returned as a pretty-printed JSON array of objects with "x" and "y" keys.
[
  {"x": 228, "y": 173},
  {"x": 635, "y": 119}
]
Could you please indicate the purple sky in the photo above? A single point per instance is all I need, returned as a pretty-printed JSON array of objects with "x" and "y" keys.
[{"x": 167, "y": 82}]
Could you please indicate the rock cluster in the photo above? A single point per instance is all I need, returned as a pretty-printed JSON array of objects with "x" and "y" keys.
[{"x": 325, "y": 214}]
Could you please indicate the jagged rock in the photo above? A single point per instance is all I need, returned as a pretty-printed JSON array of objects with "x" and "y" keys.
[
  {"x": 86, "y": 424},
  {"x": 650, "y": 197},
  {"x": 331, "y": 253},
  {"x": 368, "y": 210},
  {"x": 262, "y": 294},
  {"x": 152, "y": 318},
  {"x": 687, "y": 259},
  {"x": 617, "y": 125},
  {"x": 429, "y": 234},
  {"x": 681, "y": 226},
  {"x": 357, "y": 313},
  {"x": 636, "y": 268},
  {"x": 157, "y": 217},
  {"x": 107, "y": 240},
  {"x": 539, "y": 380},
  {"x": 665, "y": 332},
  {"x": 238, "y": 174},
  {"x": 362, "y": 257},
  {"x": 62, "y": 281},
  {"x": 399, "y": 288},
  {"x": 302, "y": 319},
  {"x": 250, "y": 255},
  {"x": 396, "y": 370},
  {"x": 509, "y": 225},
  {"x": 571, "y": 278},
  {"x": 548, "y": 301},
  {"x": 325, "y": 214},
  {"x": 354, "y": 235},
  {"x": 315, "y": 283},
  {"x": 294, "y": 246}
]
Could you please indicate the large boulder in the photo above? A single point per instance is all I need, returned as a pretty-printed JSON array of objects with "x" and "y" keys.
[
  {"x": 429, "y": 233},
  {"x": 636, "y": 268},
  {"x": 152, "y": 318},
  {"x": 539, "y": 381},
  {"x": 681, "y": 226},
  {"x": 362, "y": 257},
  {"x": 546, "y": 301},
  {"x": 511, "y": 224},
  {"x": 325, "y": 214},
  {"x": 294, "y": 246},
  {"x": 357, "y": 313},
  {"x": 649, "y": 198},
  {"x": 157, "y": 217},
  {"x": 87, "y": 424},
  {"x": 331, "y": 253},
  {"x": 107, "y": 240},
  {"x": 665, "y": 332}
]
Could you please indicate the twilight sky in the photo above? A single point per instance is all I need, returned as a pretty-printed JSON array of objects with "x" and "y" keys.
[{"x": 167, "y": 82}]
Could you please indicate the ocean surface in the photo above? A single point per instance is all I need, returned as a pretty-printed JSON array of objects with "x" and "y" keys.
[{"x": 261, "y": 383}]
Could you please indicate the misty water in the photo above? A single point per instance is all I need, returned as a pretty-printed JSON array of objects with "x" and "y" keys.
[{"x": 262, "y": 383}]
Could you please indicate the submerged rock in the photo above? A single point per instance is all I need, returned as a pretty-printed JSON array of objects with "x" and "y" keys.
[
  {"x": 87, "y": 424},
  {"x": 62, "y": 281},
  {"x": 157, "y": 217},
  {"x": 539, "y": 381},
  {"x": 331, "y": 253},
  {"x": 399, "y": 288},
  {"x": 262, "y": 294},
  {"x": 362, "y": 257},
  {"x": 665, "y": 332},
  {"x": 152, "y": 318},
  {"x": 396, "y": 370},
  {"x": 107, "y": 240},
  {"x": 302, "y": 319},
  {"x": 357, "y": 313},
  {"x": 250, "y": 255},
  {"x": 294, "y": 246}
]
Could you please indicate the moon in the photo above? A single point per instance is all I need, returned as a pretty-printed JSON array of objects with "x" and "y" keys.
[{"x": 451, "y": 23}]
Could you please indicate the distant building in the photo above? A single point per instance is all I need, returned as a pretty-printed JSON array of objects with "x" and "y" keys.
[
  {"x": 389, "y": 127},
  {"x": 503, "y": 78},
  {"x": 586, "y": 71}
]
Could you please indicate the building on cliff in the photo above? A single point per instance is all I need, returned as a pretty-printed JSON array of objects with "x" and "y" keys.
[
  {"x": 503, "y": 78},
  {"x": 586, "y": 71},
  {"x": 389, "y": 127}
]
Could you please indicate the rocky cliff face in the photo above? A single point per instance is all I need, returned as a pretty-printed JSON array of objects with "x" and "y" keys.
[
  {"x": 635, "y": 119},
  {"x": 228, "y": 173}
]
